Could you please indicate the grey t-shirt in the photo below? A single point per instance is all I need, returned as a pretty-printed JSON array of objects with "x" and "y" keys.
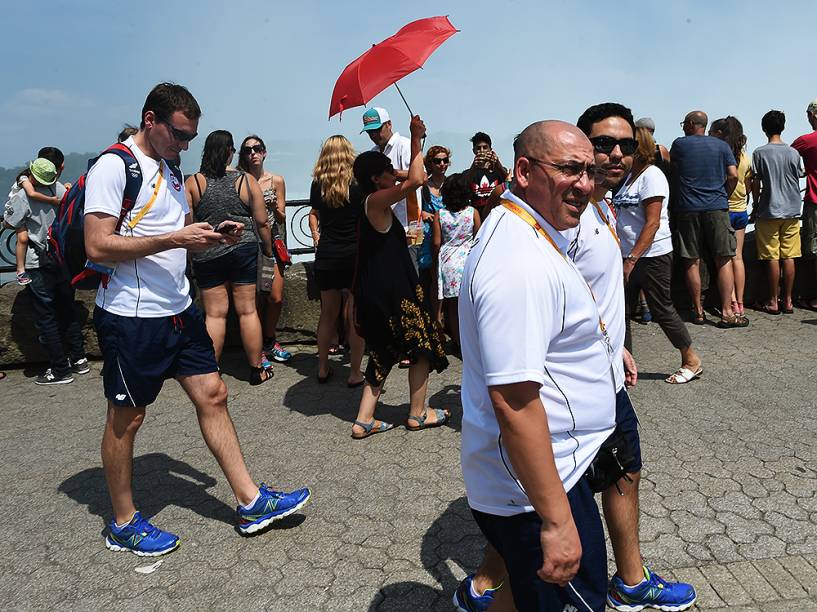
[
  {"x": 777, "y": 166},
  {"x": 35, "y": 218}
]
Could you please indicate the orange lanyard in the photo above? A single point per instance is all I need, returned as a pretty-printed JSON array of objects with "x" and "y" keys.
[
  {"x": 606, "y": 221},
  {"x": 528, "y": 218}
]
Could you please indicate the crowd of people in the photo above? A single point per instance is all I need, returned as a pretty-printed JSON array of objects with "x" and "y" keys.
[{"x": 522, "y": 272}]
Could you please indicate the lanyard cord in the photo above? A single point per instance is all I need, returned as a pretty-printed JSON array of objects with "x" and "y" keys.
[{"x": 606, "y": 221}]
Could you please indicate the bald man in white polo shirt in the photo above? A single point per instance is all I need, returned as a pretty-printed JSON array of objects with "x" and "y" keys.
[{"x": 537, "y": 365}]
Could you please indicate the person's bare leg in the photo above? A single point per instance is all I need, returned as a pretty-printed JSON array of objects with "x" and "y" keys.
[
  {"x": 418, "y": 386},
  {"x": 773, "y": 283},
  {"x": 330, "y": 307},
  {"x": 490, "y": 575},
  {"x": 356, "y": 343},
  {"x": 690, "y": 358},
  {"x": 788, "y": 283},
  {"x": 726, "y": 283},
  {"x": 368, "y": 403},
  {"x": 20, "y": 250},
  {"x": 621, "y": 516},
  {"x": 117, "y": 458},
  {"x": 454, "y": 319},
  {"x": 216, "y": 303},
  {"x": 244, "y": 301},
  {"x": 275, "y": 302},
  {"x": 209, "y": 394},
  {"x": 739, "y": 269},
  {"x": 693, "y": 279}
]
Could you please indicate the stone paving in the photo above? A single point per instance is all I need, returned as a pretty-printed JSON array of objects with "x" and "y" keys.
[{"x": 728, "y": 489}]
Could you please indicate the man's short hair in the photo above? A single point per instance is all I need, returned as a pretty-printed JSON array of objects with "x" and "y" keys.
[
  {"x": 600, "y": 112},
  {"x": 52, "y": 154},
  {"x": 773, "y": 123},
  {"x": 812, "y": 107},
  {"x": 167, "y": 98},
  {"x": 481, "y": 137}
]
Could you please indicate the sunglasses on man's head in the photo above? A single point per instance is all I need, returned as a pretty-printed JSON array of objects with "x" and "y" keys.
[
  {"x": 606, "y": 144},
  {"x": 178, "y": 134},
  {"x": 253, "y": 149},
  {"x": 440, "y": 160}
]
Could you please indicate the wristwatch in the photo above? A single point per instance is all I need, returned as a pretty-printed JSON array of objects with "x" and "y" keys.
[{"x": 631, "y": 258}]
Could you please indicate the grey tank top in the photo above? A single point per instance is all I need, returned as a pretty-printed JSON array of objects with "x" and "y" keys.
[{"x": 221, "y": 202}]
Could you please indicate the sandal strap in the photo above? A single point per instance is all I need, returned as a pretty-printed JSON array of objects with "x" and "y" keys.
[
  {"x": 367, "y": 427},
  {"x": 421, "y": 420}
]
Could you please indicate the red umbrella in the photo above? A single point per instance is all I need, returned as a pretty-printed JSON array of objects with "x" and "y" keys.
[{"x": 388, "y": 62}]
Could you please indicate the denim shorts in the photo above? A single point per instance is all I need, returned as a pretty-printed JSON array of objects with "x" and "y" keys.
[
  {"x": 739, "y": 220},
  {"x": 239, "y": 267}
]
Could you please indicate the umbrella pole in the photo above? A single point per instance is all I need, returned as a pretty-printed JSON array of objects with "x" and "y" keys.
[{"x": 404, "y": 100}]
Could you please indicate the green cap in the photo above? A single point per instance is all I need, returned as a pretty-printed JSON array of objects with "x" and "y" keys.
[{"x": 43, "y": 171}]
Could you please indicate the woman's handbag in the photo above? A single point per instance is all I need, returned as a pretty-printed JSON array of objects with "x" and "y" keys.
[
  {"x": 281, "y": 252},
  {"x": 266, "y": 272}
]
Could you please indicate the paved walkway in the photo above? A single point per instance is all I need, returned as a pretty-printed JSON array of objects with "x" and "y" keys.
[{"x": 728, "y": 494}]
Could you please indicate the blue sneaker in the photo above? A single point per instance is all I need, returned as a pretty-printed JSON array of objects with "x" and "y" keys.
[
  {"x": 277, "y": 352},
  {"x": 271, "y": 506},
  {"x": 465, "y": 601},
  {"x": 141, "y": 538},
  {"x": 653, "y": 592}
]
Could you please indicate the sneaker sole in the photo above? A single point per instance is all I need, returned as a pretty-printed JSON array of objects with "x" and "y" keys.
[
  {"x": 55, "y": 382},
  {"x": 81, "y": 372},
  {"x": 622, "y": 607},
  {"x": 281, "y": 359},
  {"x": 117, "y": 548},
  {"x": 258, "y": 526},
  {"x": 456, "y": 601}
]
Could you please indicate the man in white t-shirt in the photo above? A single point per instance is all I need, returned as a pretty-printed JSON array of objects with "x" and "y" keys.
[
  {"x": 527, "y": 320},
  {"x": 149, "y": 329}
]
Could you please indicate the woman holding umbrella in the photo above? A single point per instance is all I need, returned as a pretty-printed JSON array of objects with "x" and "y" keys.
[{"x": 391, "y": 308}]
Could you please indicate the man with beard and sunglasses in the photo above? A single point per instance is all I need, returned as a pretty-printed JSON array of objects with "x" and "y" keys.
[
  {"x": 594, "y": 249},
  {"x": 149, "y": 330}
]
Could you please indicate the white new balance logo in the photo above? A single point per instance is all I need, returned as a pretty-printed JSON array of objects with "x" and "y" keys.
[{"x": 121, "y": 396}]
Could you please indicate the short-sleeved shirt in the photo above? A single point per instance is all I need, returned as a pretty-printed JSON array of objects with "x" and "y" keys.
[
  {"x": 699, "y": 166},
  {"x": 35, "y": 217},
  {"x": 527, "y": 315},
  {"x": 338, "y": 243},
  {"x": 737, "y": 199},
  {"x": 398, "y": 150},
  {"x": 155, "y": 285},
  {"x": 806, "y": 146},
  {"x": 631, "y": 216},
  {"x": 596, "y": 253},
  {"x": 482, "y": 183},
  {"x": 777, "y": 165}
]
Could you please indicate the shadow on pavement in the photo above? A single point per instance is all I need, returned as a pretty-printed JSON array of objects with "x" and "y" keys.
[
  {"x": 452, "y": 539},
  {"x": 158, "y": 481}
]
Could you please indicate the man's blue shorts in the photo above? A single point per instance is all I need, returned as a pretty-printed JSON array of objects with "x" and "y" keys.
[
  {"x": 627, "y": 423},
  {"x": 141, "y": 353},
  {"x": 738, "y": 220},
  {"x": 516, "y": 538}
]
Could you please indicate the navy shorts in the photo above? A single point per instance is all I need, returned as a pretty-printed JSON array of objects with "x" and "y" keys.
[
  {"x": 739, "y": 220},
  {"x": 239, "y": 267},
  {"x": 516, "y": 538},
  {"x": 140, "y": 354},
  {"x": 627, "y": 423}
]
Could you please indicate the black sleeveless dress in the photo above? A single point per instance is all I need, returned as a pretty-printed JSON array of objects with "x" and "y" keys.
[{"x": 391, "y": 309}]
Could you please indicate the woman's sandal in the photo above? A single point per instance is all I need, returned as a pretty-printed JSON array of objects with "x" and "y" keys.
[
  {"x": 334, "y": 349},
  {"x": 369, "y": 429},
  {"x": 256, "y": 377},
  {"x": 442, "y": 419},
  {"x": 735, "y": 321},
  {"x": 698, "y": 318},
  {"x": 683, "y": 375}
]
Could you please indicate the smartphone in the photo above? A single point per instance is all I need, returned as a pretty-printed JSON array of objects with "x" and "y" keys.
[{"x": 225, "y": 229}]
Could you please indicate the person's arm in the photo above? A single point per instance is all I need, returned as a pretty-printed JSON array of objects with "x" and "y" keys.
[
  {"x": 192, "y": 191},
  {"x": 384, "y": 198},
  {"x": 436, "y": 235},
  {"x": 664, "y": 153},
  {"x": 731, "y": 179},
  {"x": 33, "y": 194},
  {"x": 314, "y": 226},
  {"x": 630, "y": 369},
  {"x": 525, "y": 434},
  {"x": 652, "y": 214},
  {"x": 477, "y": 221},
  {"x": 259, "y": 214},
  {"x": 280, "y": 198}
]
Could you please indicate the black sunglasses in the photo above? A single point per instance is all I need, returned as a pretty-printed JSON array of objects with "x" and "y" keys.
[
  {"x": 606, "y": 144},
  {"x": 253, "y": 149},
  {"x": 440, "y": 160},
  {"x": 178, "y": 134}
]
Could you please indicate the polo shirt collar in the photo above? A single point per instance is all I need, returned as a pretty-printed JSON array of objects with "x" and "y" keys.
[
  {"x": 560, "y": 238},
  {"x": 395, "y": 137}
]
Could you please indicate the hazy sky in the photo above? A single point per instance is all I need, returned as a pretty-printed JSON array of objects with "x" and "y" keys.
[{"x": 71, "y": 78}]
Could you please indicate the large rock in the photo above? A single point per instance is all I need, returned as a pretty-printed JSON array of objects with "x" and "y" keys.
[{"x": 18, "y": 333}]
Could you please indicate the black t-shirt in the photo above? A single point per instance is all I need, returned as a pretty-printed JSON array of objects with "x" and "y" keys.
[
  {"x": 483, "y": 182},
  {"x": 338, "y": 244}
]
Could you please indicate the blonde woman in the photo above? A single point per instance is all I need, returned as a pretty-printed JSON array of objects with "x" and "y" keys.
[{"x": 337, "y": 205}]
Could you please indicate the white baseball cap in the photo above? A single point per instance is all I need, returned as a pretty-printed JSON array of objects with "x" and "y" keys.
[{"x": 374, "y": 118}]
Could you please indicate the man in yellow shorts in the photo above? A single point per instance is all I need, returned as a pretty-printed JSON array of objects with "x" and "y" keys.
[{"x": 776, "y": 193}]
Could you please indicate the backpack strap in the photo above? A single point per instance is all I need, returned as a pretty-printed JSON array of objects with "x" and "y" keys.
[{"x": 133, "y": 178}]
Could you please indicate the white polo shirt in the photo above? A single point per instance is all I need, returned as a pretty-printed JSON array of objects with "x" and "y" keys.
[
  {"x": 398, "y": 150},
  {"x": 595, "y": 251},
  {"x": 152, "y": 286},
  {"x": 526, "y": 314}
]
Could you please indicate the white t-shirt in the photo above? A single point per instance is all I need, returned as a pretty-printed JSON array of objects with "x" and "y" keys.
[
  {"x": 398, "y": 150},
  {"x": 595, "y": 252},
  {"x": 630, "y": 212},
  {"x": 526, "y": 314},
  {"x": 152, "y": 286}
]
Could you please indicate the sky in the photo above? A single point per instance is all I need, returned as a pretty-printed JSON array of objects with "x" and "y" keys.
[{"x": 73, "y": 78}]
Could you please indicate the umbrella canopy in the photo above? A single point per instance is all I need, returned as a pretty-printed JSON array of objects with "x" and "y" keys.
[{"x": 388, "y": 62}]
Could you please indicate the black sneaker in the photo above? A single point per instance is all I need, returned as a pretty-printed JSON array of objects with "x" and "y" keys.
[
  {"x": 49, "y": 378},
  {"x": 80, "y": 366}
]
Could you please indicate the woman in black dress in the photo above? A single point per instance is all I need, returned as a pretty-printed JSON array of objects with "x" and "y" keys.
[{"x": 391, "y": 311}]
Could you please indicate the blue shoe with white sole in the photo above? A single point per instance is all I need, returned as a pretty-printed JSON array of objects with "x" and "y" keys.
[
  {"x": 141, "y": 538},
  {"x": 269, "y": 507}
]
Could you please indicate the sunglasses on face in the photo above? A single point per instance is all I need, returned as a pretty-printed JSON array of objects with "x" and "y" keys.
[
  {"x": 253, "y": 149},
  {"x": 606, "y": 144},
  {"x": 440, "y": 160},
  {"x": 179, "y": 135}
]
